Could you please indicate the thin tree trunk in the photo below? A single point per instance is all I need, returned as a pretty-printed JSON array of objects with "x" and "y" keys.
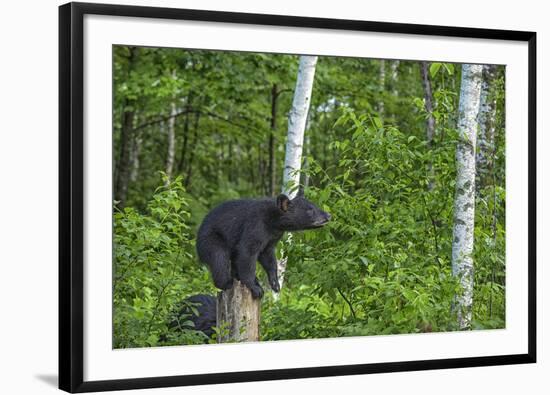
[
  {"x": 252, "y": 171},
  {"x": 263, "y": 166},
  {"x": 464, "y": 205},
  {"x": 123, "y": 174},
  {"x": 220, "y": 168},
  {"x": 123, "y": 168},
  {"x": 272, "y": 159},
  {"x": 171, "y": 143},
  {"x": 382, "y": 85},
  {"x": 295, "y": 136},
  {"x": 430, "y": 120},
  {"x": 134, "y": 158},
  {"x": 230, "y": 160},
  {"x": 192, "y": 154},
  {"x": 486, "y": 119},
  {"x": 238, "y": 315},
  {"x": 186, "y": 122},
  {"x": 394, "y": 66}
]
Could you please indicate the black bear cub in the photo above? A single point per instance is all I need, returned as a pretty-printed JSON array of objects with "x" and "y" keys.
[
  {"x": 237, "y": 233},
  {"x": 204, "y": 320}
]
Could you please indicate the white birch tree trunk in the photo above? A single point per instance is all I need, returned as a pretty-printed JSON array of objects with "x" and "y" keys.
[
  {"x": 297, "y": 120},
  {"x": 171, "y": 142},
  {"x": 394, "y": 66},
  {"x": 486, "y": 119},
  {"x": 430, "y": 121},
  {"x": 464, "y": 204}
]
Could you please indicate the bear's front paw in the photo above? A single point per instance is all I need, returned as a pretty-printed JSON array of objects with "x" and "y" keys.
[
  {"x": 275, "y": 285},
  {"x": 257, "y": 291}
]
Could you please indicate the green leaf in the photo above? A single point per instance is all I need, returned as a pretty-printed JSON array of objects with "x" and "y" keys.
[
  {"x": 377, "y": 122},
  {"x": 434, "y": 68},
  {"x": 449, "y": 67}
]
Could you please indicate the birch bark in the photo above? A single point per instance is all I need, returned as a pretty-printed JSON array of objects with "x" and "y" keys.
[
  {"x": 273, "y": 127},
  {"x": 430, "y": 121},
  {"x": 486, "y": 119},
  {"x": 295, "y": 136},
  {"x": 297, "y": 124},
  {"x": 394, "y": 66},
  {"x": 464, "y": 204},
  {"x": 170, "y": 155}
]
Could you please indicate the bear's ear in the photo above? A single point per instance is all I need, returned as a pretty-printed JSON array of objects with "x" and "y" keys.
[{"x": 282, "y": 202}]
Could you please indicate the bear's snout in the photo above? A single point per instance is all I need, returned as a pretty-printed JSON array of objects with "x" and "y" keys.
[{"x": 322, "y": 219}]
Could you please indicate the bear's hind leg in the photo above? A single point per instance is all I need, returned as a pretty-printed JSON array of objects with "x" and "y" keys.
[
  {"x": 217, "y": 259},
  {"x": 221, "y": 271}
]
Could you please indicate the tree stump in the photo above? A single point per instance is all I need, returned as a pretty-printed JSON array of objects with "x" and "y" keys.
[{"x": 238, "y": 315}]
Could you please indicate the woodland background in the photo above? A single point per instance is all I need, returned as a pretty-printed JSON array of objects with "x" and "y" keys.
[
  {"x": 33, "y": 369},
  {"x": 195, "y": 128}
]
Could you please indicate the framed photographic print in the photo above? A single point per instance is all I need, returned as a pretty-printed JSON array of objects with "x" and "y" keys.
[{"x": 251, "y": 197}]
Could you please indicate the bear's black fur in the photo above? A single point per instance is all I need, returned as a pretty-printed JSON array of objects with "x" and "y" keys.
[
  {"x": 237, "y": 233},
  {"x": 204, "y": 320}
]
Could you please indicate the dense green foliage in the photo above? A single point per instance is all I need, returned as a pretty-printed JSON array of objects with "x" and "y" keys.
[
  {"x": 154, "y": 268},
  {"x": 382, "y": 266}
]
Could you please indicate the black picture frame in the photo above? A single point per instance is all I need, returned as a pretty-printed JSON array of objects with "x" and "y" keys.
[{"x": 71, "y": 204}]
